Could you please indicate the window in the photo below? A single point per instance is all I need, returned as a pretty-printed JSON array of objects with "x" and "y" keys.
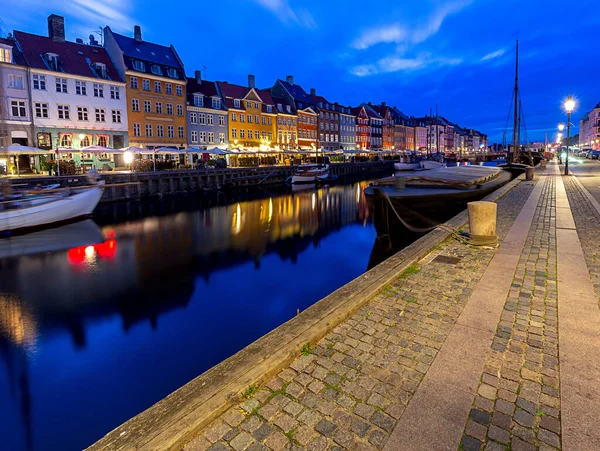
[
  {"x": 198, "y": 100},
  {"x": 100, "y": 115},
  {"x": 171, "y": 131},
  {"x": 115, "y": 92},
  {"x": 135, "y": 105},
  {"x": 193, "y": 118},
  {"x": 270, "y": 109},
  {"x": 202, "y": 118},
  {"x": 169, "y": 88},
  {"x": 236, "y": 103},
  {"x": 116, "y": 116},
  {"x": 249, "y": 118},
  {"x": 242, "y": 133},
  {"x": 270, "y": 136},
  {"x": 210, "y": 119},
  {"x": 39, "y": 82},
  {"x": 159, "y": 108},
  {"x": 133, "y": 83},
  {"x": 66, "y": 140},
  {"x": 103, "y": 140},
  {"x": 248, "y": 104},
  {"x": 180, "y": 132},
  {"x": 264, "y": 120},
  {"x": 211, "y": 138},
  {"x": 41, "y": 110},
  {"x": 18, "y": 108},
  {"x": 98, "y": 90},
  {"x": 179, "y": 110},
  {"x": 63, "y": 112},
  {"x": 234, "y": 133},
  {"x": 194, "y": 136},
  {"x": 160, "y": 131},
  {"x": 156, "y": 70},
  {"x": 147, "y": 106},
  {"x": 256, "y": 134},
  {"x": 221, "y": 120},
  {"x": 137, "y": 129},
  {"x": 216, "y": 104},
  {"x": 5, "y": 56},
  {"x": 81, "y": 88},
  {"x": 61, "y": 84},
  {"x": 138, "y": 65},
  {"x": 270, "y": 121},
  {"x": 264, "y": 135},
  {"x": 82, "y": 113},
  {"x": 15, "y": 81},
  {"x": 146, "y": 85},
  {"x": 172, "y": 73},
  {"x": 233, "y": 117},
  {"x": 256, "y": 120},
  {"x": 149, "y": 130},
  {"x": 179, "y": 90},
  {"x": 202, "y": 137},
  {"x": 85, "y": 141},
  {"x": 242, "y": 117},
  {"x": 256, "y": 106},
  {"x": 170, "y": 109},
  {"x": 157, "y": 86},
  {"x": 221, "y": 138}
]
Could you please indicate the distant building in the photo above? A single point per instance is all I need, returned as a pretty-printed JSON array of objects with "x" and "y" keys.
[
  {"x": 589, "y": 129},
  {"x": 363, "y": 128},
  {"x": 376, "y": 127},
  {"x": 156, "y": 84},
  {"x": 328, "y": 122},
  {"x": 347, "y": 128},
  {"x": 206, "y": 114},
  {"x": 287, "y": 126},
  {"x": 387, "y": 132}
]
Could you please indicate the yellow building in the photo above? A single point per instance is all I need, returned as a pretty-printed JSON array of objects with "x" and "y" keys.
[
  {"x": 252, "y": 116},
  {"x": 155, "y": 89}
]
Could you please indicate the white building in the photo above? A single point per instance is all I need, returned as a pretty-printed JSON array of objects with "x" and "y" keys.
[{"x": 77, "y": 96}]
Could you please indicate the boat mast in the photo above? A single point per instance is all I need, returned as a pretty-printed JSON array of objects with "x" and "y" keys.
[
  {"x": 437, "y": 131},
  {"x": 429, "y": 141},
  {"x": 519, "y": 128},
  {"x": 516, "y": 101}
]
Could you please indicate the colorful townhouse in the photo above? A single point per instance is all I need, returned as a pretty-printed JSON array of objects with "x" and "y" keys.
[
  {"x": 347, "y": 128},
  {"x": 420, "y": 134},
  {"x": 589, "y": 129},
  {"x": 388, "y": 129},
  {"x": 155, "y": 89},
  {"x": 303, "y": 105},
  {"x": 328, "y": 121},
  {"x": 363, "y": 128},
  {"x": 206, "y": 115},
  {"x": 252, "y": 115},
  {"x": 376, "y": 126},
  {"x": 16, "y": 122},
  {"x": 287, "y": 124},
  {"x": 77, "y": 95}
]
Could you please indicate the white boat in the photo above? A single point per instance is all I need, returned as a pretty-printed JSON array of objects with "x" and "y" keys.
[
  {"x": 49, "y": 208},
  {"x": 432, "y": 164},
  {"x": 406, "y": 166},
  {"x": 310, "y": 174}
]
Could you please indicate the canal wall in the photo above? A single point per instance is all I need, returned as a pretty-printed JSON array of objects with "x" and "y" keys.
[
  {"x": 137, "y": 185},
  {"x": 175, "y": 420}
]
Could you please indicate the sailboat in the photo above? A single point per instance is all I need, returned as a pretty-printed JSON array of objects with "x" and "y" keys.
[{"x": 311, "y": 173}]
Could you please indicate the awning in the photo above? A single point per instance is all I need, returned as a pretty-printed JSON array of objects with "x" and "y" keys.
[
  {"x": 17, "y": 149},
  {"x": 96, "y": 149}
]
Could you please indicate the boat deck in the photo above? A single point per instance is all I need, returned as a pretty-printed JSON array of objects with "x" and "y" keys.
[{"x": 455, "y": 177}]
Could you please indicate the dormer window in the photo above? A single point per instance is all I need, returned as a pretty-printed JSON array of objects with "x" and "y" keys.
[
  {"x": 279, "y": 107},
  {"x": 156, "y": 70},
  {"x": 5, "y": 55},
  {"x": 51, "y": 60},
  {"x": 138, "y": 65},
  {"x": 269, "y": 109},
  {"x": 236, "y": 103},
  {"x": 198, "y": 100},
  {"x": 216, "y": 104},
  {"x": 172, "y": 73},
  {"x": 100, "y": 69},
  {"x": 288, "y": 108}
]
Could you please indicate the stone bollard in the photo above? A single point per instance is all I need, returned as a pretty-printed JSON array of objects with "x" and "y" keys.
[
  {"x": 400, "y": 183},
  {"x": 529, "y": 174},
  {"x": 482, "y": 223},
  {"x": 543, "y": 164}
]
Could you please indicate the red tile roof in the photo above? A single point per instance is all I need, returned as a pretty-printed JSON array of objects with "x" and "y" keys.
[
  {"x": 74, "y": 59},
  {"x": 231, "y": 92}
]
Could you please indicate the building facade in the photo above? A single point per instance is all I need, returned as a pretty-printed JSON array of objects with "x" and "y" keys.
[
  {"x": 77, "y": 95},
  {"x": 388, "y": 129},
  {"x": 376, "y": 127},
  {"x": 347, "y": 128},
  {"x": 16, "y": 118},
  {"x": 206, "y": 115},
  {"x": 328, "y": 121},
  {"x": 589, "y": 129},
  {"x": 155, "y": 89},
  {"x": 287, "y": 124},
  {"x": 363, "y": 128}
]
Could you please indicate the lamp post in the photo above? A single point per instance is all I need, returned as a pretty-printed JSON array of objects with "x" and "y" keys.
[{"x": 569, "y": 107}]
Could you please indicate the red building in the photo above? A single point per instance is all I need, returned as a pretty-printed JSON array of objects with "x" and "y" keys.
[
  {"x": 307, "y": 129},
  {"x": 388, "y": 125}
]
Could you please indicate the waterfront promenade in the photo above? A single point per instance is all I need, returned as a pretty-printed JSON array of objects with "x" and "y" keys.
[{"x": 469, "y": 349}]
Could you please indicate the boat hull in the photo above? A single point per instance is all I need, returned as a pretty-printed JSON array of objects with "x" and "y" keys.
[
  {"x": 406, "y": 166},
  {"x": 78, "y": 205},
  {"x": 310, "y": 177},
  {"x": 428, "y": 164}
]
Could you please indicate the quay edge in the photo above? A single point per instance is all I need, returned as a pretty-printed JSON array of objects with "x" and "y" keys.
[{"x": 176, "y": 419}]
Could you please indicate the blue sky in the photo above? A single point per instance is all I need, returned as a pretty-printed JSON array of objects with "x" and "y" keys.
[{"x": 414, "y": 54}]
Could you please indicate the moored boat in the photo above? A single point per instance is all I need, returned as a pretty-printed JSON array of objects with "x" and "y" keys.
[
  {"x": 48, "y": 207},
  {"x": 432, "y": 164},
  {"x": 406, "y": 166},
  {"x": 310, "y": 174}
]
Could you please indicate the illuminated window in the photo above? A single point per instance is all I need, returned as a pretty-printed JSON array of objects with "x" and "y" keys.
[
  {"x": 103, "y": 140},
  {"x": 5, "y": 55},
  {"x": 66, "y": 140}
]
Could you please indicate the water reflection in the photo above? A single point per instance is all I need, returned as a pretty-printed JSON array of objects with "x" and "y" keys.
[{"x": 224, "y": 274}]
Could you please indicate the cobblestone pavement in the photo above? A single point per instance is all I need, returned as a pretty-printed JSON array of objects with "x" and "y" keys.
[
  {"x": 587, "y": 220},
  {"x": 350, "y": 392},
  {"x": 517, "y": 406}
]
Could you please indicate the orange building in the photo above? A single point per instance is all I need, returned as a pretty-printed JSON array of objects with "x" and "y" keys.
[{"x": 155, "y": 89}]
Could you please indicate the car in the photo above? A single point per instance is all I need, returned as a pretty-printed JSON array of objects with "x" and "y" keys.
[
  {"x": 582, "y": 153},
  {"x": 593, "y": 154}
]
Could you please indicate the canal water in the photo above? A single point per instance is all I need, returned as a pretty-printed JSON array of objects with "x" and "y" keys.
[{"x": 101, "y": 319}]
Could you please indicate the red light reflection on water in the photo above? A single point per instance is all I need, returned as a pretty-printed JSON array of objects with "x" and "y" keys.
[{"x": 82, "y": 254}]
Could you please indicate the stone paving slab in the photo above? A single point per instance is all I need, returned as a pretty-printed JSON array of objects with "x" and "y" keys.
[{"x": 353, "y": 385}]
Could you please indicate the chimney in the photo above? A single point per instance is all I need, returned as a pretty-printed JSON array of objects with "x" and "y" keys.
[
  {"x": 198, "y": 76},
  {"x": 382, "y": 103},
  {"x": 369, "y": 103},
  {"x": 251, "y": 81},
  {"x": 290, "y": 79},
  {"x": 56, "y": 28},
  {"x": 137, "y": 33},
  {"x": 313, "y": 92}
]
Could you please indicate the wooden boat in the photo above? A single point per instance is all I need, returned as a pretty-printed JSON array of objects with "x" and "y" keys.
[
  {"x": 432, "y": 164},
  {"x": 406, "y": 166},
  {"x": 310, "y": 174},
  {"x": 49, "y": 207}
]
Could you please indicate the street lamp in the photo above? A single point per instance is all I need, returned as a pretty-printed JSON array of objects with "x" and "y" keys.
[{"x": 569, "y": 107}]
